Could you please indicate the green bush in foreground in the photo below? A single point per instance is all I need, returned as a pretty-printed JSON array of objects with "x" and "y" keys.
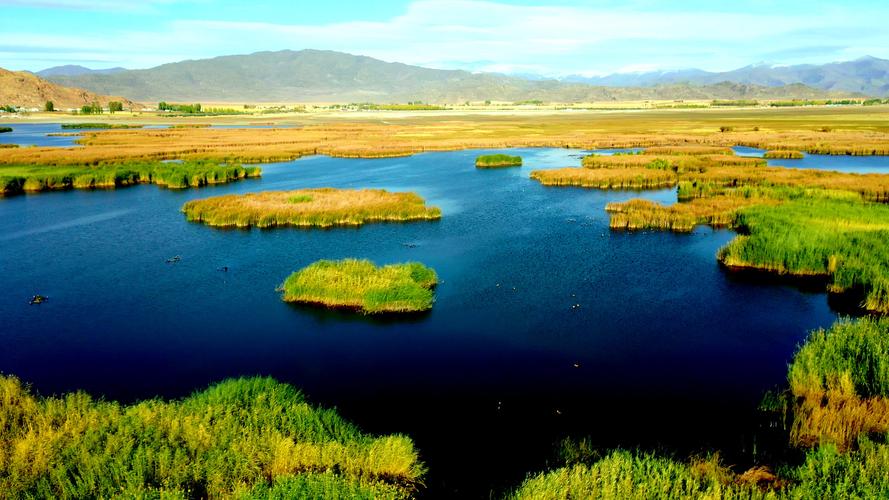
[
  {"x": 250, "y": 438},
  {"x": 362, "y": 285},
  {"x": 498, "y": 160}
]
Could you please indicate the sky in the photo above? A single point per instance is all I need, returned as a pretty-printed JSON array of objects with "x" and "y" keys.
[{"x": 519, "y": 37}]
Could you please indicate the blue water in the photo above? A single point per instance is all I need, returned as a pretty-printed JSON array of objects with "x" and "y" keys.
[
  {"x": 665, "y": 350},
  {"x": 35, "y": 134},
  {"x": 839, "y": 163}
]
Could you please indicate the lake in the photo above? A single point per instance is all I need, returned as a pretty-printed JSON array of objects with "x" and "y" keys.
[{"x": 546, "y": 323}]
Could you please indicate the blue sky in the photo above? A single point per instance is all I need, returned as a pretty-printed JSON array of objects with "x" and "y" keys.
[{"x": 547, "y": 38}]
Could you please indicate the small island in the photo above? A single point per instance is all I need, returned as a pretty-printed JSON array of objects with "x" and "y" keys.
[
  {"x": 5, "y": 129},
  {"x": 361, "y": 285},
  {"x": 98, "y": 126},
  {"x": 778, "y": 154},
  {"x": 498, "y": 161},
  {"x": 322, "y": 207}
]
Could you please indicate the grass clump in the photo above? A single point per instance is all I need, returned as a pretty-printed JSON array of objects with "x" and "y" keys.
[
  {"x": 98, "y": 126},
  {"x": 783, "y": 155},
  {"x": 242, "y": 437},
  {"x": 840, "y": 379},
  {"x": 323, "y": 207},
  {"x": 497, "y": 161},
  {"x": 3, "y": 130},
  {"x": 359, "y": 284}
]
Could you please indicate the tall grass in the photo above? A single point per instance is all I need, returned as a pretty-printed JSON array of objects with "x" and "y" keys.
[
  {"x": 604, "y": 178},
  {"x": 174, "y": 175},
  {"x": 236, "y": 437},
  {"x": 783, "y": 155},
  {"x": 840, "y": 378},
  {"x": 837, "y": 238},
  {"x": 497, "y": 161},
  {"x": 825, "y": 473},
  {"x": 361, "y": 285},
  {"x": 323, "y": 207},
  {"x": 99, "y": 126}
]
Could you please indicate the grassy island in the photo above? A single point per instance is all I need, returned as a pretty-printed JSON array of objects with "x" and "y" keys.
[
  {"x": 359, "y": 284},
  {"x": 17, "y": 179},
  {"x": 498, "y": 161},
  {"x": 99, "y": 126},
  {"x": 839, "y": 404},
  {"x": 323, "y": 207},
  {"x": 3, "y": 130},
  {"x": 242, "y": 438},
  {"x": 783, "y": 155}
]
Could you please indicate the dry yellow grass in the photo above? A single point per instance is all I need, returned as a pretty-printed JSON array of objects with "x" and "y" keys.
[
  {"x": 324, "y": 207},
  {"x": 854, "y": 131},
  {"x": 605, "y": 178},
  {"x": 717, "y": 211}
]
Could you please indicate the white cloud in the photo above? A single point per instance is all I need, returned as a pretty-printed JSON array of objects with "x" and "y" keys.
[{"x": 543, "y": 39}]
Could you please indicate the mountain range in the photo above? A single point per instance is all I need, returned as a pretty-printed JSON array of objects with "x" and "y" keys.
[
  {"x": 23, "y": 89},
  {"x": 328, "y": 76},
  {"x": 867, "y": 75}
]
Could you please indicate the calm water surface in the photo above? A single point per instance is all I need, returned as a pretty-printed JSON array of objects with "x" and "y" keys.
[{"x": 664, "y": 350}]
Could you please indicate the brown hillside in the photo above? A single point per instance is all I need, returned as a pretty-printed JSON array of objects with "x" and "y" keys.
[{"x": 23, "y": 89}]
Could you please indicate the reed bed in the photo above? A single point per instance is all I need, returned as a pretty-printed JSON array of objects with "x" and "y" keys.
[
  {"x": 685, "y": 149},
  {"x": 173, "y": 175},
  {"x": 498, "y": 161},
  {"x": 103, "y": 125},
  {"x": 825, "y": 473},
  {"x": 323, "y": 207},
  {"x": 635, "y": 215},
  {"x": 839, "y": 239},
  {"x": 783, "y": 155},
  {"x": 603, "y": 178},
  {"x": 840, "y": 379},
  {"x": 361, "y": 285},
  {"x": 236, "y": 437}
]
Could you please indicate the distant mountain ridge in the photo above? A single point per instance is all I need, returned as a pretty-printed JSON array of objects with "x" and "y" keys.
[
  {"x": 866, "y": 75},
  {"x": 328, "y": 76},
  {"x": 75, "y": 70}
]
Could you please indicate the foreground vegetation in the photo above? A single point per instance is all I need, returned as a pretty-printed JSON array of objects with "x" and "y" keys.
[
  {"x": 839, "y": 383},
  {"x": 359, "y": 284},
  {"x": 17, "y": 179},
  {"x": 248, "y": 438},
  {"x": 324, "y": 207},
  {"x": 497, "y": 161}
]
